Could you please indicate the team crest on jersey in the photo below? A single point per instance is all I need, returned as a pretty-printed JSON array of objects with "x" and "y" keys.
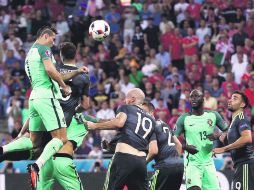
[
  {"x": 210, "y": 122},
  {"x": 48, "y": 53}
]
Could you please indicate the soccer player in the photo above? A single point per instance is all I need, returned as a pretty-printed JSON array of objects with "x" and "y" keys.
[
  {"x": 79, "y": 85},
  {"x": 197, "y": 125},
  {"x": 61, "y": 167},
  {"x": 168, "y": 164},
  {"x": 44, "y": 107},
  {"x": 239, "y": 142},
  {"x": 136, "y": 130}
]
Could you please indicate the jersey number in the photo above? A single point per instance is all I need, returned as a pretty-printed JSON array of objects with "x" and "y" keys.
[
  {"x": 203, "y": 135},
  {"x": 166, "y": 130},
  {"x": 146, "y": 124}
]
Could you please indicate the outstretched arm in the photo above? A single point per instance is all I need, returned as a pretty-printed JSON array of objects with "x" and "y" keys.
[{"x": 117, "y": 122}]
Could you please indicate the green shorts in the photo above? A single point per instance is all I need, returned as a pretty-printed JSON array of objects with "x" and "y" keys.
[
  {"x": 76, "y": 132},
  {"x": 203, "y": 176},
  {"x": 62, "y": 170},
  {"x": 45, "y": 115}
]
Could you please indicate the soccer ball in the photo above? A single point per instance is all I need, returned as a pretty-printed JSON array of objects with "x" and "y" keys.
[{"x": 99, "y": 30}]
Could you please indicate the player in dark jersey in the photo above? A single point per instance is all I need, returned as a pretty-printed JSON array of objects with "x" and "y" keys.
[
  {"x": 136, "y": 130},
  {"x": 239, "y": 142},
  {"x": 79, "y": 84},
  {"x": 168, "y": 166}
]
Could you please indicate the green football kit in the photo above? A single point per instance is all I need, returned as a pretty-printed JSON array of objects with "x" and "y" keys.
[
  {"x": 45, "y": 111},
  {"x": 61, "y": 168},
  {"x": 199, "y": 168}
]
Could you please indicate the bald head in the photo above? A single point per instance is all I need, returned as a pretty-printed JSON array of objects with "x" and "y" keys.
[{"x": 135, "y": 96}]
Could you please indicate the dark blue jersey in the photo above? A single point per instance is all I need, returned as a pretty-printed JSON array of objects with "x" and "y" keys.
[
  {"x": 138, "y": 129},
  {"x": 79, "y": 86},
  {"x": 167, "y": 154},
  {"x": 244, "y": 154}
]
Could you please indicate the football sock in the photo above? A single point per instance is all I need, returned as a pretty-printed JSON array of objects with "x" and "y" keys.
[
  {"x": 50, "y": 149},
  {"x": 23, "y": 143}
]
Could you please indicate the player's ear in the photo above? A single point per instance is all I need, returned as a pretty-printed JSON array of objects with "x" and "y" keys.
[{"x": 242, "y": 105}]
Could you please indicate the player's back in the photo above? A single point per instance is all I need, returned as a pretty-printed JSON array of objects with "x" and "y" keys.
[
  {"x": 138, "y": 129},
  {"x": 79, "y": 86},
  {"x": 42, "y": 85},
  {"x": 167, "y": 154}
]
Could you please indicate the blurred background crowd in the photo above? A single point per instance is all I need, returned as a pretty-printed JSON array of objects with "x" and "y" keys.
[{"x": 165, "y": 47}]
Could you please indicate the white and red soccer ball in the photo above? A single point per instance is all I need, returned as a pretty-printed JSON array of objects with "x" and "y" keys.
[{"x": 99, "y": 30}]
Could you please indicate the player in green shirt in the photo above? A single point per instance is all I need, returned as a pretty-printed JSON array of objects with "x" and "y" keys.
[
  {"x": 197, "y": 125},
  {"x": 60, "y": 167}
]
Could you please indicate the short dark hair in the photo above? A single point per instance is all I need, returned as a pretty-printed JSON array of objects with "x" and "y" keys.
[
  {"x": 68, "y": 50},
  {"x": 244, "y": 98},
  {"x": 46, "y": 30},
  {"x": 149, "y": 105}
]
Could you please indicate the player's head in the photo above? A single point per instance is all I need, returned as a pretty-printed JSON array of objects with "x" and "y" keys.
[
  {"x": 47, "y": 34},
  {"x": 196, "y": 99},
  {"x": 67, "y": 51},
  {"x": 238, "y": 101},
  {"x": 135, "y": 96},
  {"x": 148, "y": 107}
]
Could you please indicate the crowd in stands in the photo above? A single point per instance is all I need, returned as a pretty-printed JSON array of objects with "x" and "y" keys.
[{"x": 165, "y": 47}]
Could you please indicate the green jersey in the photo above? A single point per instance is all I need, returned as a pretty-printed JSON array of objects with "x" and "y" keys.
[
  {"x": 42, "y": 85},
  {"x": 195, "y": 129},
  {"x": 77, "y": 131}
]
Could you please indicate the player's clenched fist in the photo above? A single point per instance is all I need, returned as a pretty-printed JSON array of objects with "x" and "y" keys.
[
  {"x": 90, "y": 125},
  {"x": 83, "y": 69},
  {"x": 67, "y": 90}
]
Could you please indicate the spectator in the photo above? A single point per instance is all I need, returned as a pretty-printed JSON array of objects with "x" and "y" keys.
[
  {"x": 249, "y": 91},
  {"x": 95, "y": 153},
  {"x": 149, "y": 67},
  {"x": 239, "y": 63},
  {"x": 175, "y": 49},
  {"x": 4, "y": 94},
  {"x": 126, "y": 85},
  {"x": 136, "y": 75},
  {"x": 215, "y": 89},
  {"x": 239, "y": 38},
  {"x": 113, "y": 18},
  {"x": 97, "y": 167},
  {"x": 210, "y": 102},
  {"x": 202, "y": 32},
  {"x": 62, "y": 28},
  {"x": 163, "y": 57},
  {"x": 13, "y": 113},
  {"x": 190, "y": 46},
  {"x": 180, "y": 10},
  {"x": 151, "y": 37}
]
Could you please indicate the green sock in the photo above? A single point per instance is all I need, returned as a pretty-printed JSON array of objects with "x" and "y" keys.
[
  {"x": 50, "y": 149},
  {"x": 23, "y": 143}
]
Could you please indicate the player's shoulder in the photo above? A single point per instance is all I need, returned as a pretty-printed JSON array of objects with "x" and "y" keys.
[
  {"x": 212, "y": 112},
  {"x": 184, "y": 115},
  {"x": 242, "y": 117},
  {"x": 41, "y": 47},
  {"x": 160, "y": 123},
  {"x": 85, "y": 78}
]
